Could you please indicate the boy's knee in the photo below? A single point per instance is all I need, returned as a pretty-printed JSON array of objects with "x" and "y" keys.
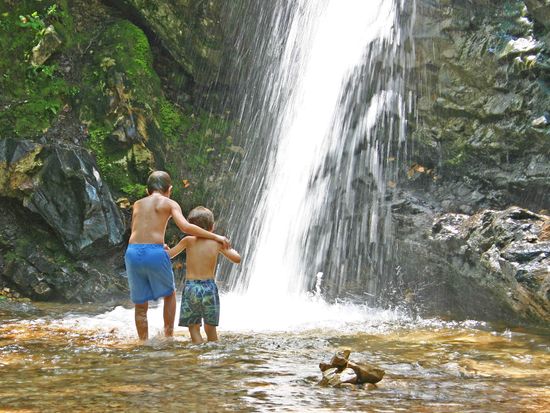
[{"x": 141, "y": 308}]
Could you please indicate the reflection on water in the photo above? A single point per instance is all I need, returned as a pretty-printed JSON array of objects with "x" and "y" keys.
[{"x": 61, "y": 358}]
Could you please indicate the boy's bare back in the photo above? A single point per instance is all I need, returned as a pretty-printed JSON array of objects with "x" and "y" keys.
[
  {"x": 149, "y": 218},
  {"x": 202, "y": 256}
]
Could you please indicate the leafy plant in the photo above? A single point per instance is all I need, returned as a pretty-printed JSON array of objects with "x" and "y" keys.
[{"x": 34, "y": 21}]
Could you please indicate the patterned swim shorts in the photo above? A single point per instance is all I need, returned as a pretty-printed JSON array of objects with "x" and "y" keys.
[{"x": 200, "y": 300}]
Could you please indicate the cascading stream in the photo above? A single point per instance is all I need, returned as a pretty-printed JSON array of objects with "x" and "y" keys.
[{"x": 323, "y": 121}]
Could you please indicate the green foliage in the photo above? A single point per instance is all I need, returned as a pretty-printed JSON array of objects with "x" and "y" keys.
[
  {"x": 171, "y": 122},
  {"x": 196, "y": 155},
  {"x": 134, "y": 191},
  {"x": 33, "y": 21}
]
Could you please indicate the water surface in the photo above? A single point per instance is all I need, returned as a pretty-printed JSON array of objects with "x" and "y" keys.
[{"x": 83, "y": 358}]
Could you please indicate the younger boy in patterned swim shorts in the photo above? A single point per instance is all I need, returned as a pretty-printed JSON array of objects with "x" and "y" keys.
[{"x": 200, "y": 299}]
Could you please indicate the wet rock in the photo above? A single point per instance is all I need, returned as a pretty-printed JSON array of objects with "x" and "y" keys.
[
  {"x": 539, "y": 122},
  {"x": 340, "y": 359},
  {"x": 47, "y": 46},
  {"x": 500, "y": 104},
  {"x": 341, "y": 371},
  {"x": 349, "y": 375},
  {"x": 63, "y": 186},
  {"x": 502, "y": 253},
  {"x": 519, "y": 46},
  {"x": 366, "y": 373},
  {"x": 43, "y": 271},
  {"x": 331, "y": 377}
]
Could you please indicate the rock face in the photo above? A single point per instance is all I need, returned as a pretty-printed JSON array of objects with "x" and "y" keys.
[
  {"x": 480, "y": 145},
  {"x": 63, "y": 186},
  {"x": 502, "y": 251},
  {"x": 189, "y": 30},
  {"x": 35, "y": 264},
  {"x": 482, "y": 105},
  {"x": 85, "y": 115},
  {"x": 55, "y": 208}
]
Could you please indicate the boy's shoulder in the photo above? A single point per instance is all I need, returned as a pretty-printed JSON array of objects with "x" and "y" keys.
[{"x": 202, "y": 241}]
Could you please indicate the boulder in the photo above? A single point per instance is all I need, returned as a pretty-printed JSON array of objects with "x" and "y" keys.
[
  {"x": 63, "y": 186},
  {"x": 504, "y": 253},
  {"x": 44, "y": 271}
]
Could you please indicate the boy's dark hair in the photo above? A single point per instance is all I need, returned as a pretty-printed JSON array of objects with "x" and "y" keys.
[
  {"x": 201, "y": 217},
  {"x": 158, "y": 181}
]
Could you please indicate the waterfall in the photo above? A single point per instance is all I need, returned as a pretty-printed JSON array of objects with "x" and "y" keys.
[{"x": 322, "y": 110}]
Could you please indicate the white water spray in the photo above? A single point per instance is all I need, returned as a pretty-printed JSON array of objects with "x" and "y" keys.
[{"x": 304, "y": 108}]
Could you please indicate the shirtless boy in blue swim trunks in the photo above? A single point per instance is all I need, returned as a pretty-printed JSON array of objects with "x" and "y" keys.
[
  {"x": 200, "y": 300},
  {"x": 148, "y": 266}
]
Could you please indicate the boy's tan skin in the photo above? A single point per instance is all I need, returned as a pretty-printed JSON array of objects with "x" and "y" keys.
[
  {"x": 202, "y": 257},
  {"x": 149, "y": 220}
]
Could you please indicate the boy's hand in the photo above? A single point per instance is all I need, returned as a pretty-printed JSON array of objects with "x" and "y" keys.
[{"x": 224, "y": 241}]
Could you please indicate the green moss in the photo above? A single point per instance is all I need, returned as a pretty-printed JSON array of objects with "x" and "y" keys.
[
  {"x": 31, "y": 97},
  {"x": 197, "y": 155},
  {"x": 135, "y": 191},
  {"x": 120, "y": 72},
  {"x": 111, "y": 161},
  {"x": 171, "y": 122}
]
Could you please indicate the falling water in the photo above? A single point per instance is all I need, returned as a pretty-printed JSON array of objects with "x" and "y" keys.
[{"x": 323, "y": 123}]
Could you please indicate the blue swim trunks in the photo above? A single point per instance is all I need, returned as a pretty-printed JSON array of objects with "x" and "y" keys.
[
  {"x": 200, "y": 301},
  {"x": 149, "y": 272}
]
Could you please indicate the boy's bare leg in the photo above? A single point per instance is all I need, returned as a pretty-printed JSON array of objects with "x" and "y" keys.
[
  {"x": 141, "y": 321},
  {"x": 169, "y": 313},
  {"x": 211, "y": 332},
  {"x": 195, "y": 331}
]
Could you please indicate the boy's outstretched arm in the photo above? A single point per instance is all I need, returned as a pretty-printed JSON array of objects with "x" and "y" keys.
[
  {"x": 231, "y": 254},
  {"x": 192, "y": 229},
  {"x": 178, "y": 248}
]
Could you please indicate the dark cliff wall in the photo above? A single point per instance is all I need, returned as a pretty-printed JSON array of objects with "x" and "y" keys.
[{"x": 479, "y": 144}]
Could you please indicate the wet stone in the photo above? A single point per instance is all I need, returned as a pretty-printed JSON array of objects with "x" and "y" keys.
[{"x": 341, "y": 371}]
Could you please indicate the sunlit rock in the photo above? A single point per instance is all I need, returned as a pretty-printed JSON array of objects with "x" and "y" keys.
[
  {"x": 519, "y": 46},
  {"x": 47, "y": 46},
  {"x": 366, "y": 373}
]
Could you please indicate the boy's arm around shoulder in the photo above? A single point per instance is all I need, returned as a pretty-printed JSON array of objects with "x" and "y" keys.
[
  {"x": 231, "y": 254},
  {"x": 187, "y": 227}
]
